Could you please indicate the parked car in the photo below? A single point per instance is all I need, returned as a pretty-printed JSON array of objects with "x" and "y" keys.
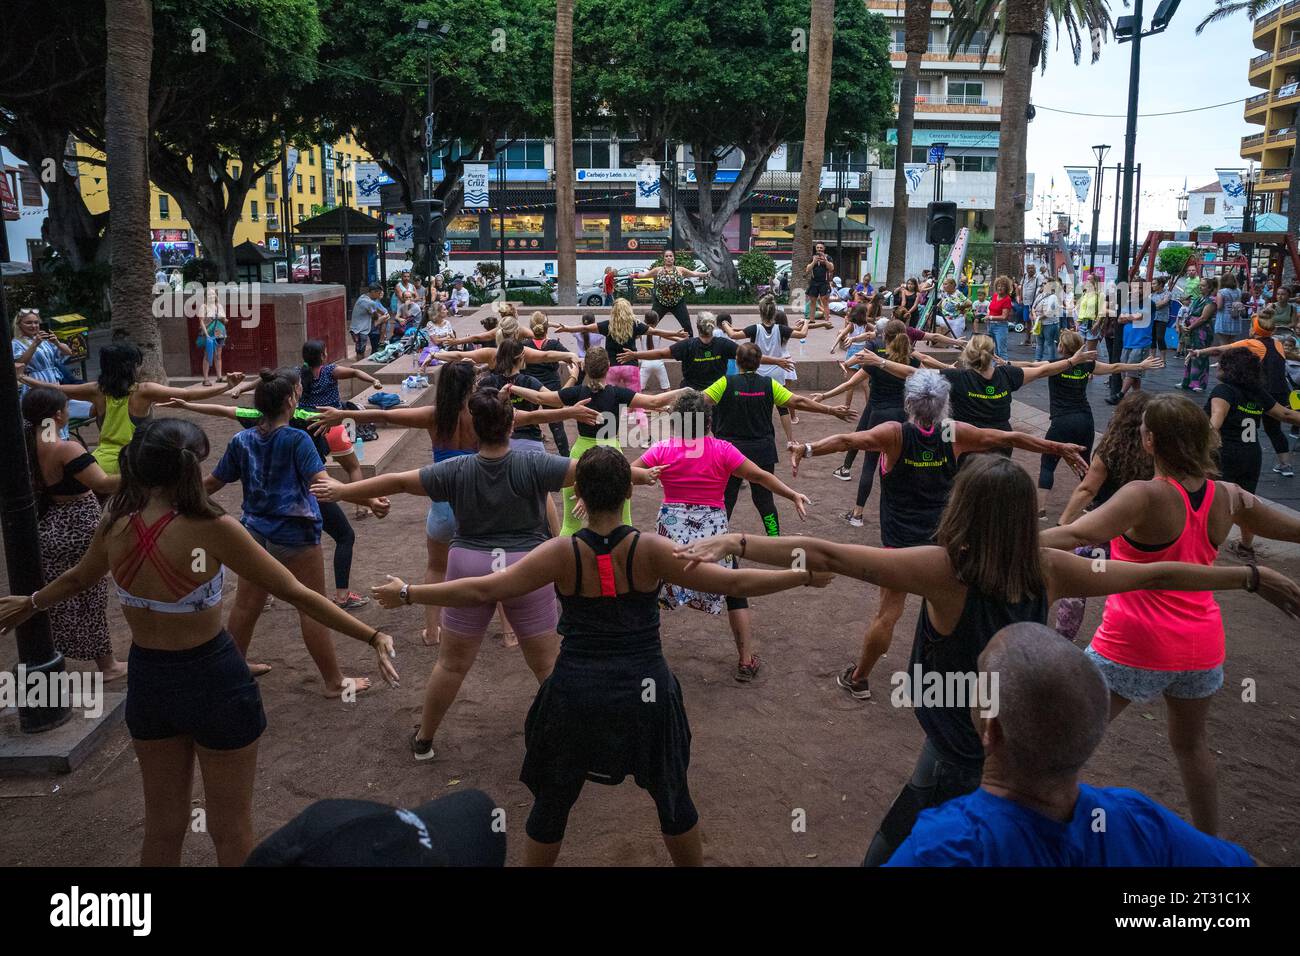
[
  {"x": 523, "y": 284},
  {"x": 300, "y": 268},
  {"x": 593, "y": 293}
]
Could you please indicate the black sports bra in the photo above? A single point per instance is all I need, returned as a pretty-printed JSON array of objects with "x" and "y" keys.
[{"x": 69, "y": 484}]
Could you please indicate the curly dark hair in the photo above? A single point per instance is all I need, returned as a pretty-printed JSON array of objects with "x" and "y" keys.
[
  {"x": 1242, "y": 368},
  {"x": 1120, "y": 448}
]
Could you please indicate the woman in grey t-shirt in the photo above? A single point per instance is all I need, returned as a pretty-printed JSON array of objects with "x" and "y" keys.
[{"x": 499, "y": 499}]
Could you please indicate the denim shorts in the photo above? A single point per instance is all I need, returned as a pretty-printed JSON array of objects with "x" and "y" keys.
[
  {"x": 1139, "y": 685},
  {"x": 1134, "y": 356},
  {"x": 284, "y": 553},
  {"x": 440, "y": 525}
]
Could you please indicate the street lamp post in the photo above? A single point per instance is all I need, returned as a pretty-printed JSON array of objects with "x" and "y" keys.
[
  {"x": 672, "y": 204},
  {"x": 1129, "y": 29},
  {"x": 343, "y": 213},
  {"x": 501, "y": 217},
  {"x": 426, "y": 29},
  {"x": 1100, "y": 152}
]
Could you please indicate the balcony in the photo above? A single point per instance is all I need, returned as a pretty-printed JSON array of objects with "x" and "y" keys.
[
  {"x": 1279, "y": 136},
  {"x": 899, "y": 7},
  {"x": 959, "y": 105},
  {"x": 1259, "y": 62},
  {"x": 1256, "y": 104},
  {"x": 938, "y": 53},
  {"x": 1266, "y": 21},
  {"x": 1287, "y": 54},
  {"x": 1252, "y": 142},
  {"x": 1273, "y": 179}
]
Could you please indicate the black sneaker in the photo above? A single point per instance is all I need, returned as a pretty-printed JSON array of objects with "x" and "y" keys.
[
  {"x": 842, "y": 473},
  {"x": 857, "y": 689},
  {"x": 421, "y": 749}
]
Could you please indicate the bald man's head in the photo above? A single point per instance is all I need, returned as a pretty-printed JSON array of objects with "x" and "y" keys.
[{"x": 1053, "y": 704}]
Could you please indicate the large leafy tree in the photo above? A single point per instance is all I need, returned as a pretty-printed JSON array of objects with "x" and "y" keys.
[
  {"x": 52, "y": 88},
  {"x": 228, "y": 84},
  {"x": 718, "y": 75},
  {"x": 491, "y": 81},
  {"x": 1024, "y": 27},
  {"x": 916, "y": 39},
  {"x": 821, "y": 42},
  {"x": 1252, "y": 10}
]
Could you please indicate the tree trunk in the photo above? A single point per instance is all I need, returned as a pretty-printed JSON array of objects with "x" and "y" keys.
[
  {"x": 126, "y": 129},
  {"x": 821, "y": 49},
  {"x": 704, "y": 230},
  {"x": 915, "y": 40},
  {"x": 562, "y": 99},
  {"x": 1023, "y": 35}
]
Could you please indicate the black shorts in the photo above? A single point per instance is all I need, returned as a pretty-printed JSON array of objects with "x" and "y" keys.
[
  {"x": 818, "y": 289},
  {"x": 205, "y": 692},
  {"x": 1241, "y": 463}
]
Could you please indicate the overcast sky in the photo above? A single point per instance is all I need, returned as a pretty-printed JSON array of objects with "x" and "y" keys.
[{"x": 1180, "y": 70}]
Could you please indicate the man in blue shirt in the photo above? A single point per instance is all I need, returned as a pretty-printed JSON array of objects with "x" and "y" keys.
[
  {"x": 1030, "y": 809},
  {"x": 1138, "y": 315}
]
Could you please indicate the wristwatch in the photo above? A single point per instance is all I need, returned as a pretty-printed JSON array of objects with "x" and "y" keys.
[{"x": 405, "y": 594}]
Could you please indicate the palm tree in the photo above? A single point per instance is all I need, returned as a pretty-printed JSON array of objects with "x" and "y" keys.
[
  {"x": 126, "y": 140},
  {"x": 1254, "y": 9},
  {"x": 1025, "y": 26},
  {"x": 916, "y": 38},
  {"x": 821, "y": 49},
  {"x": 562, "y": 95}
]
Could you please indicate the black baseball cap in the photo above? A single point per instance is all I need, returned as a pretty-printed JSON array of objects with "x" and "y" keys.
[{"x": 460, "y": 829}]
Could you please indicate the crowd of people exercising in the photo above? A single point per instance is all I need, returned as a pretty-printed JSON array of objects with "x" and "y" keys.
[{"x": 580, "y": 589}]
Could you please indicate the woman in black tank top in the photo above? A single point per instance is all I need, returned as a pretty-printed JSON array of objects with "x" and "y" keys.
[
  {"x": 611, "y": 707},
  {"x": 918, "y": 467},
  {"x": 986, "y": 571}
]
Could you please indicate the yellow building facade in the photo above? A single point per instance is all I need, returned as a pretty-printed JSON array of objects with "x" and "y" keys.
[
  {"x": 315, "y": 184},
  {"x": 1276, "y": 71}
]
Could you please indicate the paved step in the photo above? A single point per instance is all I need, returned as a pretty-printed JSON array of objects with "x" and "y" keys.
[{"x": 377, "y": 455}]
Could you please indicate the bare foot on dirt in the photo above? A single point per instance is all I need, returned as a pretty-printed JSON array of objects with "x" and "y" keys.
[{"x": 350, "y": 685}]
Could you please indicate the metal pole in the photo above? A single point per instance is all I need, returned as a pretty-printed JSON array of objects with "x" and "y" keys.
[
  {"x": 36, "y": 650},
  {"x": 284, "y": 209},
  {"x": 672, "y": 207},
  {"x": 1137, "y": 203},
  {"x": 1096, "y": 211},
  {"x": 347, "y": 249},
  {"x": 1114, "y": 229},
  {"x": 1130, "y": 147},
  {"x": 839, "y": 220},
  {"x": 501, "y": 214},
  {"x": 431, "y": 258}
]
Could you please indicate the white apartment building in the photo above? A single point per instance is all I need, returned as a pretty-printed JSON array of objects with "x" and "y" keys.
[{"x": 958, "y": 102}]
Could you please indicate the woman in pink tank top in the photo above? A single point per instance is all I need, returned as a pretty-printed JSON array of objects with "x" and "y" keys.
[{"x": 1153, "y": 643}]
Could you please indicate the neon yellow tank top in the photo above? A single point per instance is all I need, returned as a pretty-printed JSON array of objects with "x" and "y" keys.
[{"x": 115, "y": 432}]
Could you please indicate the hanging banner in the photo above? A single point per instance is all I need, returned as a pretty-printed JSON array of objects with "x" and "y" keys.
[
  {"x": 913, "y": 172},
  {"x": 1081, "y": 180},
  {"x": 291, "y": 162},
  {"x": 647, "y": 186},
  {"x": 476, "y": 186},
  {"x": 369, "y": 178},
  {"x": 1234, "y": 190},
  {"x": 402, "y": 235}
]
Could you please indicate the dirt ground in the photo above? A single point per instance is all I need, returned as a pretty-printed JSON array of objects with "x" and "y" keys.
[{"x": 789, "y": 742}]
